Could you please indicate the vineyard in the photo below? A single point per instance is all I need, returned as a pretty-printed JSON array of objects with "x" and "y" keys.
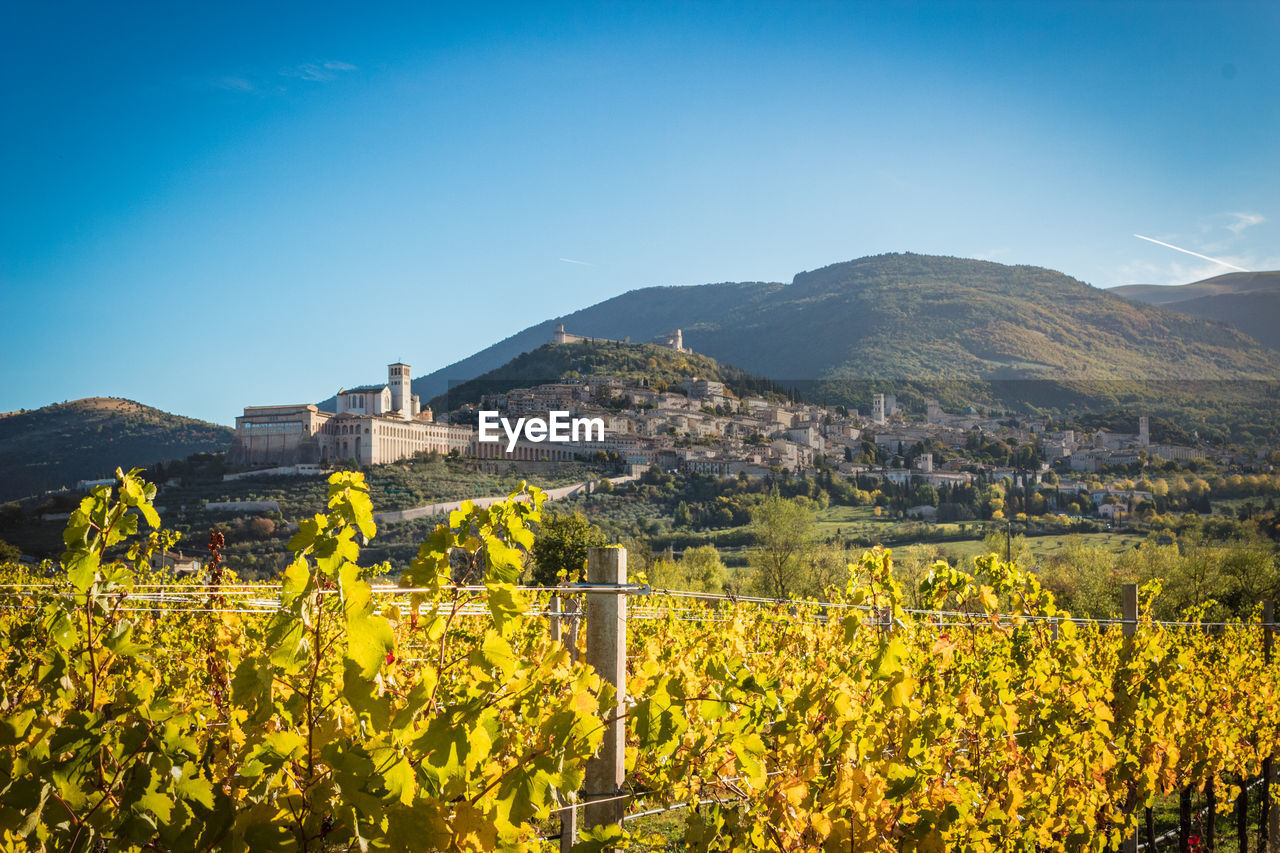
[{"x": 462, "y": 711}]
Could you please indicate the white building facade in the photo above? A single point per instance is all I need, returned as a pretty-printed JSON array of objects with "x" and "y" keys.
[{"x": 373, "y": 424}]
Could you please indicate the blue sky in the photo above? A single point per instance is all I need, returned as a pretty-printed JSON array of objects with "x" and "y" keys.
[{"x": 212, "y": 205}]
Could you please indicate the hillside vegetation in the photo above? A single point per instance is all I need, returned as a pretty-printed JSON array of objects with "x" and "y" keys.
[
  {"x": 1248, "y": 301},
  {"x": 641, "y": 365},
  {"x": 86, "y": 439}
]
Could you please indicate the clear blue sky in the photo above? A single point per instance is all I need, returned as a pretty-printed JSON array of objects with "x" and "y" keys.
[{"x": 211, "y": 205}]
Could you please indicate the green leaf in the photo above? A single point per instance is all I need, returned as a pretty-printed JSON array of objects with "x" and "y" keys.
[
  {"x": 505, "y": 602},
  {"x": 889, "y": 660},
  {"x": 14, "y": 728},
  {"x": 61, "y": 628},
  {"x": 119, "y": 640},
  {"x": 191, "y": 786},
  {"x": 82, "y": 568},
  {"x": 525, "y": 792},
  {"x": 295, "y": 581},
  {"x": 150, "y": 514},
  {"x": 288, "y": 638},
  {"x": 600, "y": 838},
  {"x": 712, "y": 709},
  {"x": 400, "y": 780},
  {"x": 369, "y": 641},
  {"x": 161, "y": 805},
  {"x": 365, "y": 697},
  {"x": 498, "y": 653},
  {"x": 308, "y": 530}
]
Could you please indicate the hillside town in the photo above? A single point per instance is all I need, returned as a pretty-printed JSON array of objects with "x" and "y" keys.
[{"x": 700, "y": 426}]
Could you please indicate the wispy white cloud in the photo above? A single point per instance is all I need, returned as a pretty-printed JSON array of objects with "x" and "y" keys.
[
  {"x": 1245, "y": 220},
  {"x": 311, "y": 72},
  {"x": 235, "y": 84},
  {"x": 322, "y": 72},
  {"x": 580, "y": 263}
]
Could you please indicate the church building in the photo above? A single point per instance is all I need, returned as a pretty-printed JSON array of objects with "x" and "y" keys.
[{"x": 373, "y": 424}]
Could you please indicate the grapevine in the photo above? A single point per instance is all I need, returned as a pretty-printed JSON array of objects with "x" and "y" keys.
[{"x": 442, "y": 715}]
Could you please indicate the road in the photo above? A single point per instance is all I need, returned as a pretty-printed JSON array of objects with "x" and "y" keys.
[{"x": 396, "y": 515}]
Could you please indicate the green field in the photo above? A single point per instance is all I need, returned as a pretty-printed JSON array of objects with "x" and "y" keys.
[
  {"x": 1041, "y": 546},
  {"x": 845, "y": 522}
]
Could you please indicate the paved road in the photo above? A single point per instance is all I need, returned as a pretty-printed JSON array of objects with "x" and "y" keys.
[{"x": 392, "y": 516}]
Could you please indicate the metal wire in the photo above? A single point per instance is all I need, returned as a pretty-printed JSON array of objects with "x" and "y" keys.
[{"x": 164, "y": 593}]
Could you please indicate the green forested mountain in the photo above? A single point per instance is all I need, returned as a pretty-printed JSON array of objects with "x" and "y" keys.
[
  {"x": 914, "y": 319},
  {"x": 1249, "y": 301},
  {"x": 644, "y": 365},
  {"x": 87, "y": 439}
]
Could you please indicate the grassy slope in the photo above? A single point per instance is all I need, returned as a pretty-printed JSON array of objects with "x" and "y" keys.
[{"x": 87, "y": 439}]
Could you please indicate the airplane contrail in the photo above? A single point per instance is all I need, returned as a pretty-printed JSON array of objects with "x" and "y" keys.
[
  {"x": 572, "y": 261},
  {"x": 1189, "y": 252}
]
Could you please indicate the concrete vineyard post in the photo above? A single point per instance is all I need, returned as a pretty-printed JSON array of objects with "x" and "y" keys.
[{"x": 607, "y": 653}]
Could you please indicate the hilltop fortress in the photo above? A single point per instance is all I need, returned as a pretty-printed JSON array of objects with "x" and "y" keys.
[{"x": 674, "y": 341}]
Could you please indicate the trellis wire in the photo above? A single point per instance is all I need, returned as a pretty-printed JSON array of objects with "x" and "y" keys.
[{"x": 167, "y": 593}]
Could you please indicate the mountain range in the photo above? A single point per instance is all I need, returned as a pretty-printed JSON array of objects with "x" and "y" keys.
[
  {"x": 910, "y": 318},
  {"x": 1248, "y": 301}
]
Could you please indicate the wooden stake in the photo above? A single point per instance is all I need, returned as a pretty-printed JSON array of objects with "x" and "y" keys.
[
  {"x": 1184, "y": 820},
  {"x": 1242, "y": 817},
  {"x": 1211, "y": 816}
]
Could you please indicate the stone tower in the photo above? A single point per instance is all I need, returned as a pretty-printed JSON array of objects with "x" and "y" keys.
[
  {"x": 401, "y": 396},
  {"x": 877, "y": 408},
  {"x": 1144, "y": 431}
]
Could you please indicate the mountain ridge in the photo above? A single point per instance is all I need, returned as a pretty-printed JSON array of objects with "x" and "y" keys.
[
  {"x": 905, "y": 316},
  {"x": 62, "y": 443},
  {"x": 1247, "y": 301}
]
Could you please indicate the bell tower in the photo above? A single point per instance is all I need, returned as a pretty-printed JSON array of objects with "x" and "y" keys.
[{"x": 401, "y": 396}]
